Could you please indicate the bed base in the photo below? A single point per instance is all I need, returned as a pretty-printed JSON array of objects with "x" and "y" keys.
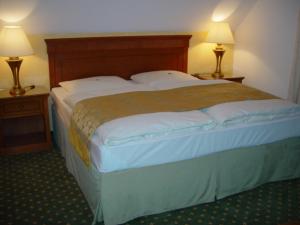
[{"x": 117, "y": 197}]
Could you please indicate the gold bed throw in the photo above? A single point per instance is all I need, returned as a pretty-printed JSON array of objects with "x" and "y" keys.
[{"x": 89, "y": 114}]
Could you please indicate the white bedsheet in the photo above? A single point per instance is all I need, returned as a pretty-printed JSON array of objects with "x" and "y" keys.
[
  {"x": 58, "y": 94},
  {"x": 72, "y": 99},
  {"x": 181, "y": 144}
]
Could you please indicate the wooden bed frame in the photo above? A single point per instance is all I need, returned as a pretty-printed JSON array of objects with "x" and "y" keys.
[
  {"x": 74, "y": 58},
  {"x": 119, "y": 196}
]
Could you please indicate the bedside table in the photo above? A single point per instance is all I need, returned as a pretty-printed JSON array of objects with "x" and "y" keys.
[
  {"x": 24, "y": 122},
  {"x": 210, "y": 77}
]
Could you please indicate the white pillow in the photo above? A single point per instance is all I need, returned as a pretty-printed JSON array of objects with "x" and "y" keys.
[
  {"x": 94, "y": 83},
  {"x": 161, "y": 76}
]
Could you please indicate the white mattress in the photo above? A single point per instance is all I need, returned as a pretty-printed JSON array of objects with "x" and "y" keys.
[
  {"x": 58, "y": 95},
  {"x": 181, "y": 145}
]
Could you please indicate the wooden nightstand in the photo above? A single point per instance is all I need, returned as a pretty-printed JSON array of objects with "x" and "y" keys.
[
  {"x": 24, "y": 122},
  {"x": 210, "y": 77}
]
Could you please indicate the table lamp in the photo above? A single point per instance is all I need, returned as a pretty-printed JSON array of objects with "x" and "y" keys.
[
  {"x": 14, "y": 43},
  {"x": 219, "y": 33}
]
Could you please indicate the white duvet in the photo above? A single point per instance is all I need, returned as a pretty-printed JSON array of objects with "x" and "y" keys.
[
  {"x": 242, "y": 112},
  {"x": 151, "y": 126}
]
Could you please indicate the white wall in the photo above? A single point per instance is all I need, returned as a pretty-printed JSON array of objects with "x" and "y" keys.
[
  {"x": 107, "y": 16},
  {"x": 71, "y": 18},
  {"x": 265, "y": 43}
]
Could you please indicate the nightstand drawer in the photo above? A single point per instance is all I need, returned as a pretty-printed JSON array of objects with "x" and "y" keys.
[{"x": 28, "y": 106}]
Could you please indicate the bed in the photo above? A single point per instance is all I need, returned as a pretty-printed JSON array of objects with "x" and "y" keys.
[{"x": 119, "y": 194}]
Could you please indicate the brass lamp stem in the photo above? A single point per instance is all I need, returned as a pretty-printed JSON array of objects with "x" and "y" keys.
[
  {"x": 219, "y": 52},
  {"x": 15, "y": 64}
]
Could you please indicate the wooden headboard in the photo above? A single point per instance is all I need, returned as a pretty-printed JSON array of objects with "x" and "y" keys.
[{"x": 74, "y": 58}]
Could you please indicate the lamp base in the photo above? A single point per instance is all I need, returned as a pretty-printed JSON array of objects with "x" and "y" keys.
[
  {"x": 219, "y": 52},
  {"x": 217, "y": 75},
  {"x": 15, "y": 64},
  {"x": 17, "y": 91}
]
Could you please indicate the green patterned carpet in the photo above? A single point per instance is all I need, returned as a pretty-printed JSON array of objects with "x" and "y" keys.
[{"x": 37, "y": 189}]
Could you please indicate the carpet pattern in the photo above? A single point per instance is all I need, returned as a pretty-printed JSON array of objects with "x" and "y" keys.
[{"x": 37, "y": 189}]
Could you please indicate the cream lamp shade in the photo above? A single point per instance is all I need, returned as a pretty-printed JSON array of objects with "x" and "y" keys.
[
  {"x": 220, "y": 33},
  {"x": 14, "y": 42}
]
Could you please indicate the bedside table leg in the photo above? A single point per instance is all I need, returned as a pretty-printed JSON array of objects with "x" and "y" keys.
[{"x": 1, "y": 138}]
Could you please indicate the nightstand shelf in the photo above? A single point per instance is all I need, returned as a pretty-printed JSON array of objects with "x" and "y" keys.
[
  {"x": 24, "y": 122},
  {"x": 238, "y": 79},
  {"x": 24, "y": 139}
]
